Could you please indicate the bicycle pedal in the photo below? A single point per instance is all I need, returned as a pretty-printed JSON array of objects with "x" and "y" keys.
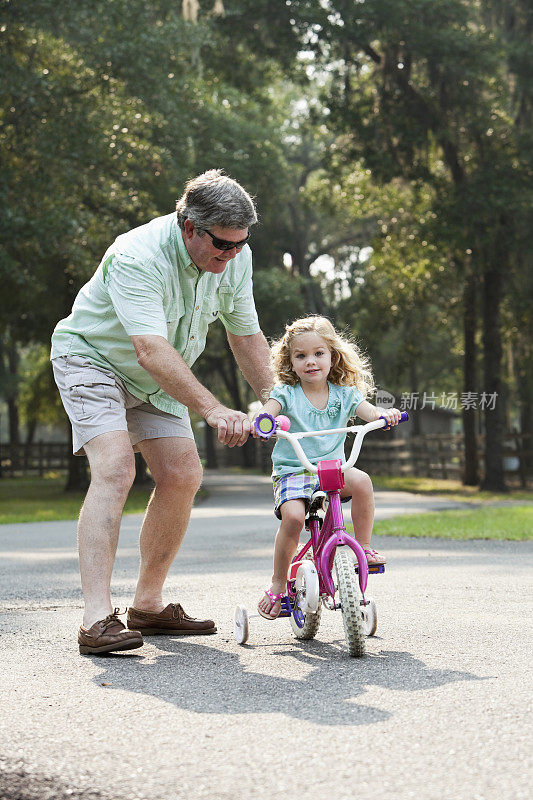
[
  {"x": 285, "y": 607},
  {"x": 373, "y": 569}
]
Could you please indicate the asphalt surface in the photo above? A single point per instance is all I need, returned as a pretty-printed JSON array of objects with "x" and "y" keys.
[{"x": 437, "y": 709}]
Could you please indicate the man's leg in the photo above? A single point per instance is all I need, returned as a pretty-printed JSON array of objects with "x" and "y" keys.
[
  {"x": 177, "y": 472},
  {"x": 112, "y": 472}
]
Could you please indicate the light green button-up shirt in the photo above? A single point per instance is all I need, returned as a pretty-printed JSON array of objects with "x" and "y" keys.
[{"x": 147, "y": 284}]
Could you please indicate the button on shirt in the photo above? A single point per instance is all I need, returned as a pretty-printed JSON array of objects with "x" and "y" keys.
[{"x": 147, "y": 284}]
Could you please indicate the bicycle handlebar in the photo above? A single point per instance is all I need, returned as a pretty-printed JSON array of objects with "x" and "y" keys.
[{"x": 266, "y": 426}]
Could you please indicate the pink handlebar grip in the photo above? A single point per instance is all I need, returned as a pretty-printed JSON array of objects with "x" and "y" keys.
[{"x": 283, "y": 422}]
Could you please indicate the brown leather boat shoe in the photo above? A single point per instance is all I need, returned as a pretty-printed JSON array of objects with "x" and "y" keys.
[
  {"x": 108, "y": 635},
  {"x": 172, "y": 621}
]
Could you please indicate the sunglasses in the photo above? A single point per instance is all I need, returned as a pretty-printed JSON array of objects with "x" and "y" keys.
[{"x": 225, "y": 244}]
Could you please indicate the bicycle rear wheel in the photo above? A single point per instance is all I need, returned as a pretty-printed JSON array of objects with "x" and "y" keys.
[
  {"x": 308, "y": 599},
  {"x": 310, "y": 627},
  {"x": 350, "y": 600}
]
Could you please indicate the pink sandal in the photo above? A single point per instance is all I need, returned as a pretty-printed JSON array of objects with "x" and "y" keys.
[
  {"x": 273, "y": 599},
  {"x": 373, "y": 557}
]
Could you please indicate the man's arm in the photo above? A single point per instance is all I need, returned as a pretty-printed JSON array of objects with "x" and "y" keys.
[
  {"x": 253, "y": 357},
  {"x": 171, "y": 373}
]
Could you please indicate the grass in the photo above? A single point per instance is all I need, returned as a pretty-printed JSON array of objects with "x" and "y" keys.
[
  {"x": 451, "y": 490},
  {"x": 513, "y": 523},
  {"x": 43, "y": 499}
]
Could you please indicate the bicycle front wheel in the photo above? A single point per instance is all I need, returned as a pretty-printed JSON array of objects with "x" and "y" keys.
[{"x": 350, "y": 600}]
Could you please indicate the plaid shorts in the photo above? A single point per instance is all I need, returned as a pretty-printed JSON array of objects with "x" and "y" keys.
[{"x": 296, "y": 486}]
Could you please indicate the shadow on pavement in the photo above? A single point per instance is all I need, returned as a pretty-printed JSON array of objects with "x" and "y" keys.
[
  {"x": 18, "y": 781},
  {"x": 205, "y": 680}
]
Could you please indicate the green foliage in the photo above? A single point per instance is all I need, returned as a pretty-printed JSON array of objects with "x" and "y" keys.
[
  {"x": 407, "y": 270},
  {"x": 39, "y": 401},
  {"x": 388, "y": 145},
  {"x": 72, "y": 153},
  {"x": 279, "y": 299},
  {"x": 439, "y": 94}
]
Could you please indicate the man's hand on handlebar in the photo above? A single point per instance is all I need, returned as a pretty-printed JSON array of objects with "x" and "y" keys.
[{"x": 233, "y": 426}]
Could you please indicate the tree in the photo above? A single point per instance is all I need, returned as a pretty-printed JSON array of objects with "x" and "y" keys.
[
  {"x": 434, "y": 92},
  {"x": 65, "y": 141}
]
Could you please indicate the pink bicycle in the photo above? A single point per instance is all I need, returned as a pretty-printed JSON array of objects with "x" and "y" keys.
[{"x": 331, "y": 569}]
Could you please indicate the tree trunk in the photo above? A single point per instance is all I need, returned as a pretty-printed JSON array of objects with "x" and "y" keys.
[
  {"x": 492, "y": 363},
  {"x": 211, "y": 460},
  {"x": 77, "y": 479},
  {"x": 13, "y": 361},
  {"x": 413, "y": 379},
  {"x": 524, "y": 385},
  {"x": 141, "y": 472},
  {"x": 231, "y": 378},
  {"x": 233, "y": 384},
  {"x": 471, "y": 472},
  {"x": 13, "y": 420},
  {"x": 31, "y": 427}
]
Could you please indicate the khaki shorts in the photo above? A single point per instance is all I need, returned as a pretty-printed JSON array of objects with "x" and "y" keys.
[{"x": 97, "y": 402}]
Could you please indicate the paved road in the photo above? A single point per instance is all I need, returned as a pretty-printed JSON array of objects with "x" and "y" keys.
[{"x": 437, "y": 710}]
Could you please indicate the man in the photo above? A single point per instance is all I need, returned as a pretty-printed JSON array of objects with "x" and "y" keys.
[{"x": 122, "y": 362}]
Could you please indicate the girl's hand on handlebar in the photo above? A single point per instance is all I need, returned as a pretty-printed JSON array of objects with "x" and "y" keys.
[{"x": 392, "y": 415}]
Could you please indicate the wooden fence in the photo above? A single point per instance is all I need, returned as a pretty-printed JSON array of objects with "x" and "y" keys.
[
  {"x": 33, "y": 459},
  {"x": 431, "y": 455},
  {"x": 441, "y": 456}
]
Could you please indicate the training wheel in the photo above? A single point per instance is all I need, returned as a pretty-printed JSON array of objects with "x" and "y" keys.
[
  {"x": 307, "y": 587},
  {"x": 370, "y": 617},
  {"x": 242, "y": 626}
]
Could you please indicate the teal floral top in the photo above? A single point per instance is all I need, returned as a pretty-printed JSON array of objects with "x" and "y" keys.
[{"x": 342, "y": 404}]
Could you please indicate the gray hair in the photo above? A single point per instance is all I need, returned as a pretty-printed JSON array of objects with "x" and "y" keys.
[{"x": 213, "y": 198}]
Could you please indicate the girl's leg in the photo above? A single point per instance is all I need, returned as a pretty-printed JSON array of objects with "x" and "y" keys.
[
  {"x": 359, "y": 486},
  {"x": 287, "y": 538}
]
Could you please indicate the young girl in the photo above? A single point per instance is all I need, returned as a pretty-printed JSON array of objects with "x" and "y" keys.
[{"x": 322, "y": 382}]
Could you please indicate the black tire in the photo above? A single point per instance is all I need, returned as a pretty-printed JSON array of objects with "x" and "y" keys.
[
  {"x": 310, "y": 626},
  {"x": 350, "y": 600}
]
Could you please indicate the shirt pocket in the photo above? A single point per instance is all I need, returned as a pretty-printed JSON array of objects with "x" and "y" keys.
[
  {"x": 90, "y": 393},
  {"x": 226, "y": 297},
  {"x": 174, "y": 311},
  {"x": 211, "y": 307}
]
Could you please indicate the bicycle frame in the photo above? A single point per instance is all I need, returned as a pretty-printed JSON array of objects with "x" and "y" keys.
[{"x": 325, "y": 538}]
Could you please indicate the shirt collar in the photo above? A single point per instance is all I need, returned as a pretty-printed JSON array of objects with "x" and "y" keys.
[{"x": 184, "y": 260}]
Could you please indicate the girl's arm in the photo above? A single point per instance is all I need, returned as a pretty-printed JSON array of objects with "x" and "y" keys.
[
  {"x": 367, "y": 412},
  {"x": 271, "y": 407}
]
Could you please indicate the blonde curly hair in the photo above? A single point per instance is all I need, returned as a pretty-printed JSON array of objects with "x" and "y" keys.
[{"x": 349, "y": 366}]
